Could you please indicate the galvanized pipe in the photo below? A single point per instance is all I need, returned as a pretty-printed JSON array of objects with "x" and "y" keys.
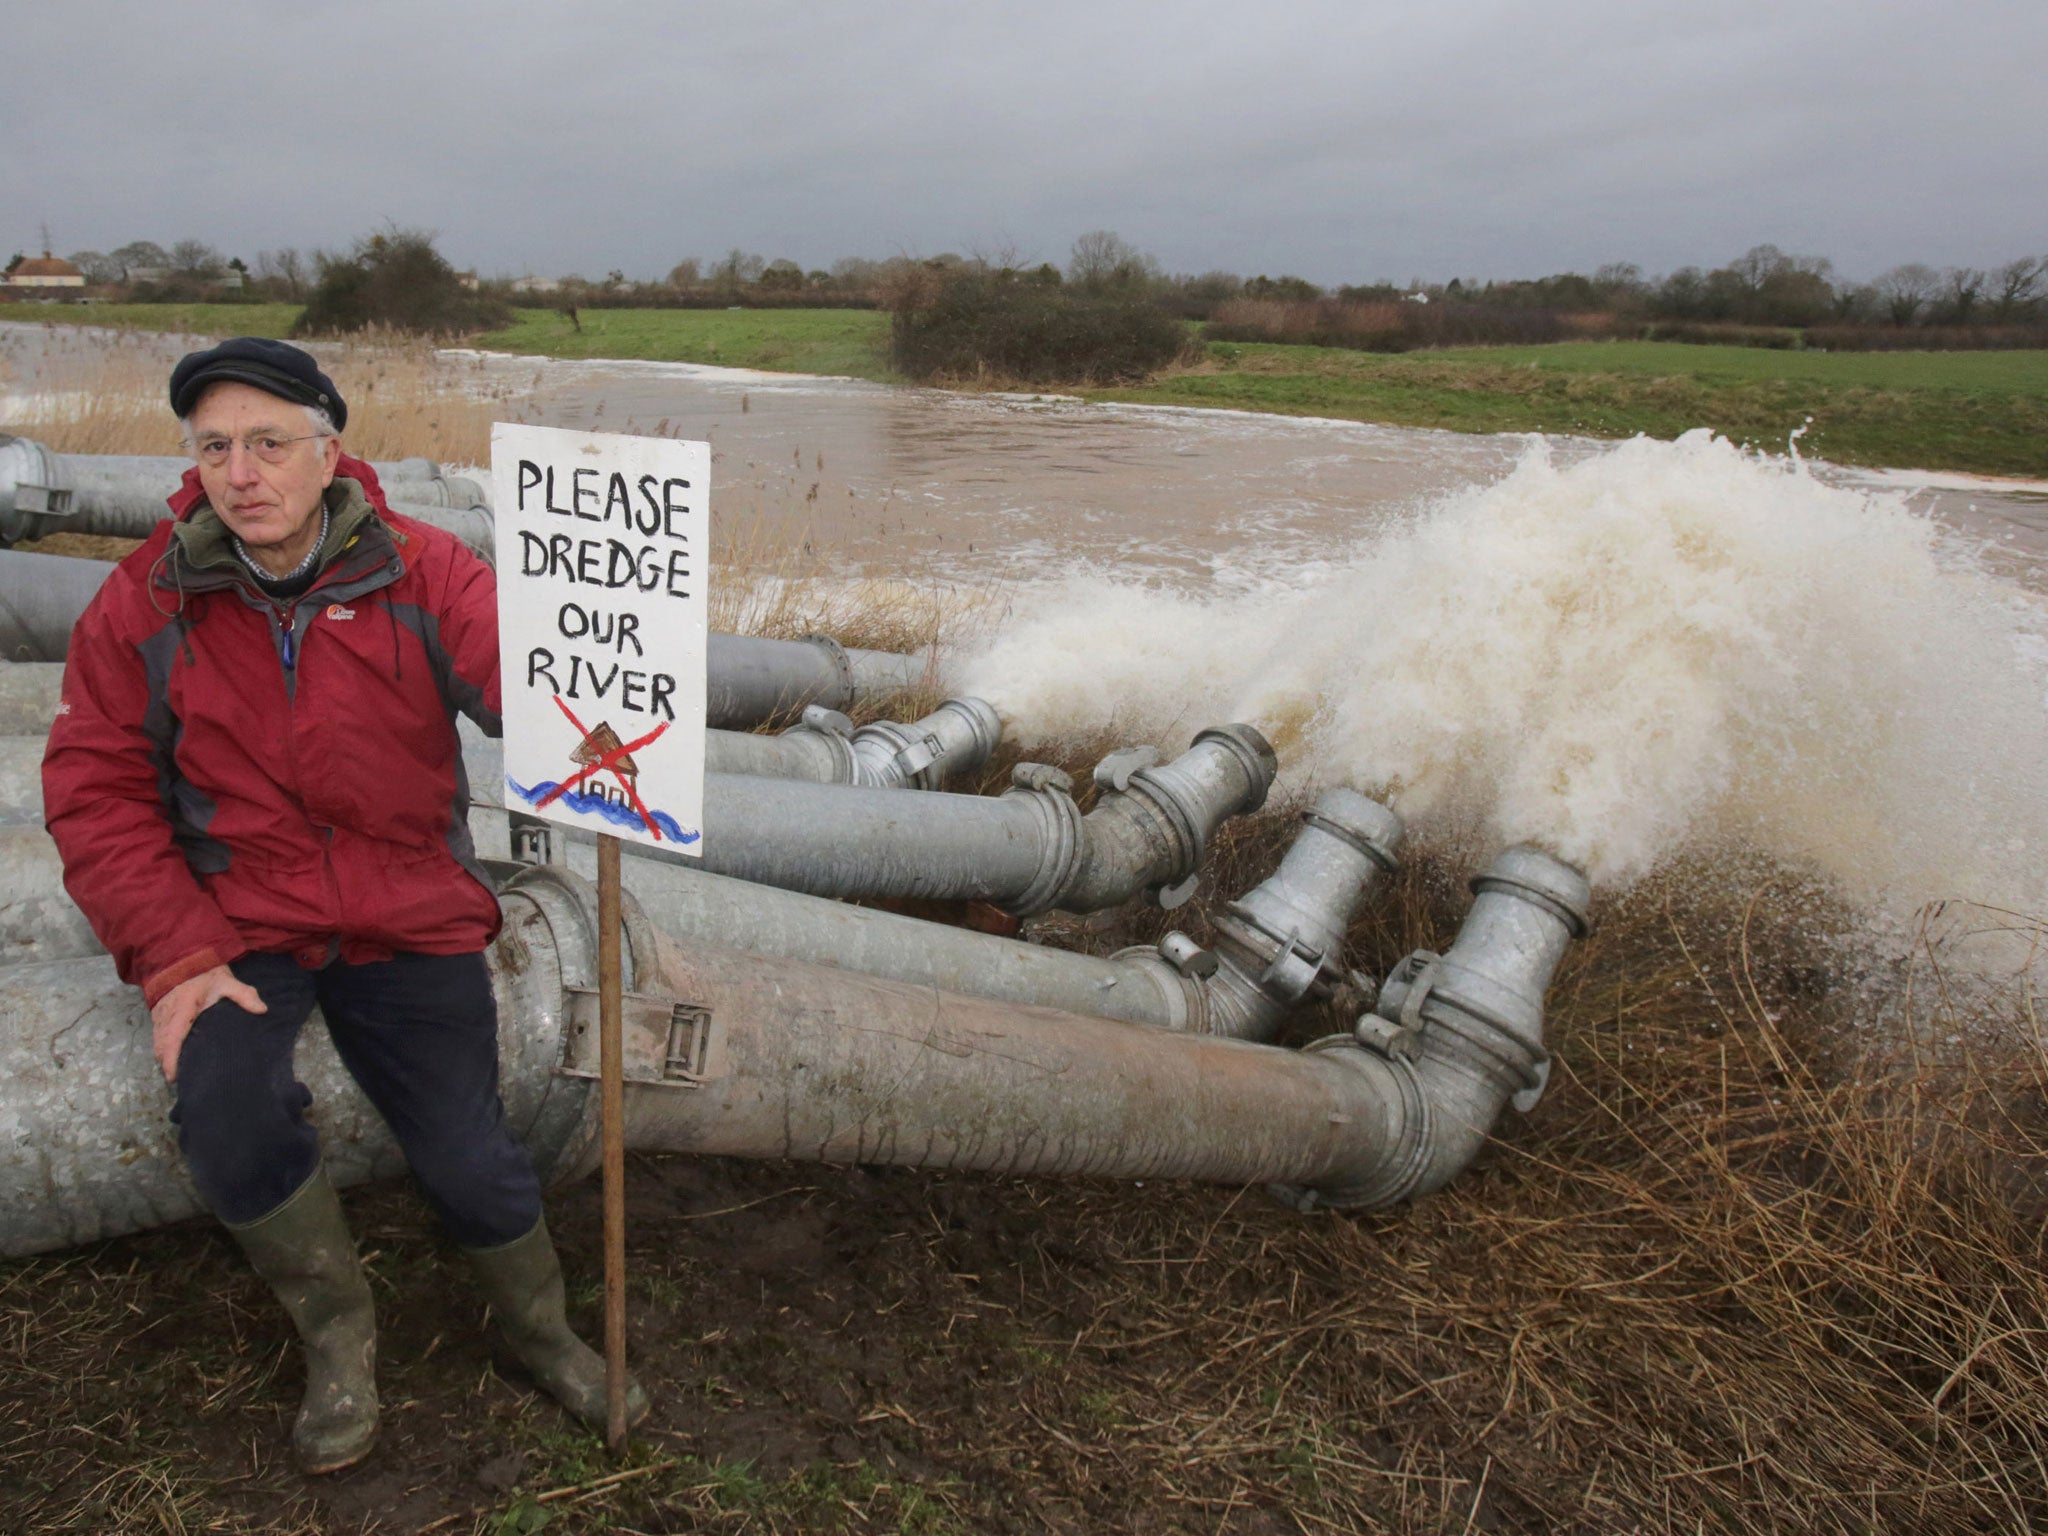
[
  {"x": 741, "y": 667},
  {"x": 21, "y": 780},
  {"x": 41, "y": 597},
  {"x": 745, "y": 1055},
  {"x": 122, "y": 495},
  {"x": 1030, "y": 850},
  {"x": 86, "y": 1148},
  {"x": 754, "y": 681},
  {"x": 1463, "y": 1031},
  {"x": 958, "y": 737},
  {"x": 29, "y": 693}
]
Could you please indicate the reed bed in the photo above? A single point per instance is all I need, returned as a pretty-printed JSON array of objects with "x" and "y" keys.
[{"x": 102, "y": 392}]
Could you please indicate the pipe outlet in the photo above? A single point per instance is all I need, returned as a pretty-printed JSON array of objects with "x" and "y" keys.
[{"x": 1460, "y": 1035}]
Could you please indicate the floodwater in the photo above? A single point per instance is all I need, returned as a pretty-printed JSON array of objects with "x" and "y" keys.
[
  {"x": 1624, "y": 652},
  {"x": 871, "y": 479}
]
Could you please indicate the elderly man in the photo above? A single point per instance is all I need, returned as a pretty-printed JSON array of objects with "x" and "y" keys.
[{"x": 255, "y": 785}]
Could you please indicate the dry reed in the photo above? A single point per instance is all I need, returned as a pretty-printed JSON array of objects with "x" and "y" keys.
[{"x": 103, "y": 392}]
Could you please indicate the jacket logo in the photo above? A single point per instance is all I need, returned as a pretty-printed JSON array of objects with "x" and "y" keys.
[{"x": 336, "y": 611}]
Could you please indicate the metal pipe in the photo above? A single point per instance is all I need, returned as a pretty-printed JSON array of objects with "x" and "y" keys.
[
  {"x": 86, "y": 1148},
  {"x": 1284, "y": 941},
  {"x": 21, "y": 781},
  {"x": 1030, "y": 849},
  {"x": 750, "y": 681},
  {"x": 958, "y": 737},
  {"x": 29, "y": 693},
  {"x": 1463, "y": 1031},
  {"x": 41, "y": 597},
  {"x": 122, "y": 495},
  {"x": 38, "y": 919},
  {"x": 753, "y": 681},
  {"x": 745, "y": 1055}
]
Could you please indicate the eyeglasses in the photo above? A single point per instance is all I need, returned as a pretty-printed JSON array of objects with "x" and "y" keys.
[{"x": 270, "y": 447}]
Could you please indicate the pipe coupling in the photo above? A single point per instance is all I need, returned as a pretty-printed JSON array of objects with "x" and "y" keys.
[
  {"x": 34, "y": 499},
  {"x": 1225, "y": 772},
  {"x": 1062, "y": 837},
  {"x": 923, "y": 754},
  {"x": 842, "y": 696}
]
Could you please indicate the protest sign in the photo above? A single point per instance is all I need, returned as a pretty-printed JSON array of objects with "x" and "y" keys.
[{"x": 603, "y": 542}]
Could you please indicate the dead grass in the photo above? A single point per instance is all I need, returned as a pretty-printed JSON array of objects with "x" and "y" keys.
[{"x": 104, "y": 393}]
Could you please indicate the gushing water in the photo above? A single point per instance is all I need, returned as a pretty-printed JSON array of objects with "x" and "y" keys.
[{"x": 1660, "y": 648}]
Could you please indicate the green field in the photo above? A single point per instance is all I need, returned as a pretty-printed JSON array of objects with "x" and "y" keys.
[
  {"x": 1985, "y": 412},
  {"x": 851, "y": 342}
]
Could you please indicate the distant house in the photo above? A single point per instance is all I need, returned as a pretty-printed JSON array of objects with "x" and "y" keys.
[
  {"x": 150, "y": 274},
  {"x": 45, "y": 271},
  {"x": 468, "y": 280},
  {"x": 536, "y": 285}
]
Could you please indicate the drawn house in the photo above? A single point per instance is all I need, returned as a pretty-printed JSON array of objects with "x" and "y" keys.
[{"x": 594, "y": 749}]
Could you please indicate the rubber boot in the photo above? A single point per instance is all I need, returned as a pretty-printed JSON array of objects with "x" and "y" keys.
[
  {"x": 303, "y": 1248},
  {"x": 522, "y": 1280}
]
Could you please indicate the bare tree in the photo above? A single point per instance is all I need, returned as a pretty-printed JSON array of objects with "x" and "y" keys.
[
  {"x": 1905, "y": 291},
  {"x": 685, "y": 273},
  {"x": 738, "y": 267},
  {"x": 97, "y": 268},
  {"x": 1961, "y": 287},
  {"x": 195, "y": 258},
  {"x": 138, "y": 253},
  {"x": 2015, "y": 286},
  {"x": 1103, "y": 259},
  {"x": 286, "y": 268}
]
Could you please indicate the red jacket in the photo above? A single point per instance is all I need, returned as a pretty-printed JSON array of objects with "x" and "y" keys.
[{"x": 226, "y": 776}]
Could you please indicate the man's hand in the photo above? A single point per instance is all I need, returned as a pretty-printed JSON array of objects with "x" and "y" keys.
[{"x": 174, "y": 1012}]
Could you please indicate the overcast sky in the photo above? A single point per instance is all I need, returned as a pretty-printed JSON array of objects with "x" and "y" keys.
[{"x": 1345, "y": 142}]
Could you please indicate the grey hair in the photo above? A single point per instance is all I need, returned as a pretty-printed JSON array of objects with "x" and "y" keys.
[{"x": 316, "y": 417}]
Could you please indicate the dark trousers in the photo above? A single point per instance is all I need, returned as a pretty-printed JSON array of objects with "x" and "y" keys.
[{"x": 418, "y": 1033}]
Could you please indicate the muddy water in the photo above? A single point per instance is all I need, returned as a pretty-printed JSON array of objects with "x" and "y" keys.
[{"x": 865, "y": 478}]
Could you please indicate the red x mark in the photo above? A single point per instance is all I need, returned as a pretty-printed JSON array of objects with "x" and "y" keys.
[{"x": 602, "y": 764}]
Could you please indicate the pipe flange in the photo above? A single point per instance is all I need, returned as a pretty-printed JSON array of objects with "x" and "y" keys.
[
  {"x": 1542, "y": 881},
  {"x": 1289, "y": 968},
  {"x": 842, "y": 667},
  {"x": 1158, "y": 791},
  {"x": 1396, "y": 1178},
  {"x": 568, "y": 903},
  {"x": 842, "y": 753},
  {"x": 1261, "y": 762},
  {"x": 1361, "y": 823},
  {"x": 33, "y": 496},
  {"x": 1062, "y": 837}
]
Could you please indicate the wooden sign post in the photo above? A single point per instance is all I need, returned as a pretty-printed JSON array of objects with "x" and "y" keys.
[{"x": 603, "y": 544}]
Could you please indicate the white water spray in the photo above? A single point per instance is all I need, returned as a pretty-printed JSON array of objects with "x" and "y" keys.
[{"x": 1662, "y": 647}]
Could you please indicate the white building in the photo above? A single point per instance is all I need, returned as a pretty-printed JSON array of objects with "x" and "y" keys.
[{"x": 45, "y": 271}]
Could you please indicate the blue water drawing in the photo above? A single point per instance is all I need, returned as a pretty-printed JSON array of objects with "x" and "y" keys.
[{"x": 586, "y": 804}]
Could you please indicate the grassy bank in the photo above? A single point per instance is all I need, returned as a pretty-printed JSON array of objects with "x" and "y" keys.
[
  {"x": 1983, "y": 412},
  {"x": 850, "y": 342}
]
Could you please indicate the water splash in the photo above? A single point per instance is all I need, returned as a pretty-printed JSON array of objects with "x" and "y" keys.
[{"x": 1657, "y": 648}]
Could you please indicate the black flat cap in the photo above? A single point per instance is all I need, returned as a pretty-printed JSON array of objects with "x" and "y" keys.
[{"x": 275, "y": 367}]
